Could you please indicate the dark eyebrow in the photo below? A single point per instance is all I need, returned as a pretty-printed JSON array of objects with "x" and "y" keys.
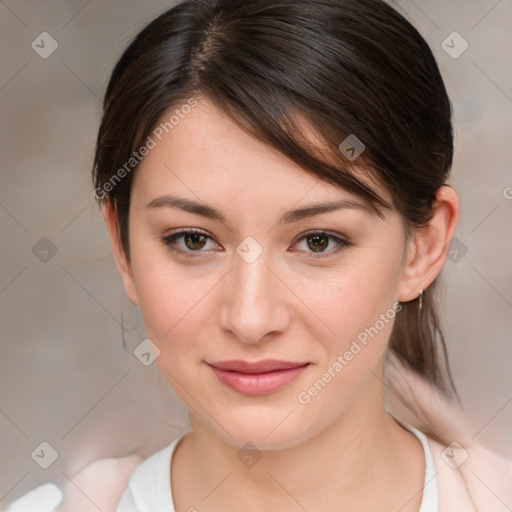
[
  {"x": 287, "y": 218},
  {"x": 319, "y": 208},
  {"x": 187, "y": 205}
]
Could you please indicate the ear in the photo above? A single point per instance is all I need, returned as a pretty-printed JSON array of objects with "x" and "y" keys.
[
  {"x": 123, "y": 265},
  {"x": 427, "y": 246}
]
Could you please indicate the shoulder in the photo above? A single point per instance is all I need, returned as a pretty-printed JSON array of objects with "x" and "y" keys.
[
  {"x": 149, "y": 486},
  {"x": 105, "y": 485},
  {"x": 98, "y": 486},
  {"x": 471, "y": 477}
]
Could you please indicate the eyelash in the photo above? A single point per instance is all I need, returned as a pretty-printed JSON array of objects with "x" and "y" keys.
[{"x": 170, "y": 239}]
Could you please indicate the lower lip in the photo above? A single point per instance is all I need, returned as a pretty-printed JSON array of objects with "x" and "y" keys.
[{"x": 258, "y": 383}]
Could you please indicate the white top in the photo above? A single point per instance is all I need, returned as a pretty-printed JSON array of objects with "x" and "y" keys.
[{"x": 149, "y": 488}]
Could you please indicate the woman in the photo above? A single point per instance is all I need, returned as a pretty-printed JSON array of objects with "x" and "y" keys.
[{"x": 273, "y": 176}]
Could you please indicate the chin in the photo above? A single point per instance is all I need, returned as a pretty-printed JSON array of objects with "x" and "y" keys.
[{"x": 264, "y": 435}]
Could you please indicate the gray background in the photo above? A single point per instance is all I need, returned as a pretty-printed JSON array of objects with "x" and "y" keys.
[{"x": 65, "y": 376}]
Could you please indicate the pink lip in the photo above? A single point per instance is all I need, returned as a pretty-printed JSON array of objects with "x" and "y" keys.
[{"x": 257, "y": 378}]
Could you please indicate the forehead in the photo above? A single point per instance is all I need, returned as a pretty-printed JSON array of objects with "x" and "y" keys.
[{"x": 206, "y": 152}]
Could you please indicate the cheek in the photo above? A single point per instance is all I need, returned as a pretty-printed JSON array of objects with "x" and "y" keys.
[
  {"x": 359, "y": 307},
  {"x": 173, "y": 307},
  {"x": 348, "y": 300},
  {"x": 361, "y": 311},
  {"x": 175, "y": 315},
  {"x": 170, "y": 299}
]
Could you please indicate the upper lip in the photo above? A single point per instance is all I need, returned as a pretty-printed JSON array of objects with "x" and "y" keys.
[{"x": 266, "y": 365}]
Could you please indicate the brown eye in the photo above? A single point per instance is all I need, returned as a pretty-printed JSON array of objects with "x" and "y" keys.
[
  {"x": 187, "y": 242},
  {"x": 194, "y": 241},
  {"x": 318, "y": 242}
]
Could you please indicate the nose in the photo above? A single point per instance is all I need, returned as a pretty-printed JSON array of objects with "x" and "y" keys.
[{"x": 254, "y": 307}]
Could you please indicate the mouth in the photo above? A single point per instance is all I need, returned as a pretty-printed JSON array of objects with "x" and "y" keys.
[{"x": 258, "y": 378}]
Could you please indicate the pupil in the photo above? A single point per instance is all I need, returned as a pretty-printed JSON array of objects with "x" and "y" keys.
[
  {"x": 316, "y": 238},
  {"x": 194, "y": 237}
]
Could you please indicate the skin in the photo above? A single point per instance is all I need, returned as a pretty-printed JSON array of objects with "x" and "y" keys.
[{"x": 341, "y": 451}]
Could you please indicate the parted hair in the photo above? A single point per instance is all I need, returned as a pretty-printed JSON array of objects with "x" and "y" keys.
[{"x": 338, "y": 67}]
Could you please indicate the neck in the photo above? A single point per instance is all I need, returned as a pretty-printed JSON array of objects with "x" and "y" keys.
[{"x": 358, "y": 456}]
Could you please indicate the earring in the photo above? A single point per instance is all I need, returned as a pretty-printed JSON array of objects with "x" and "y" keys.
[{"x": 420, "y": 303}]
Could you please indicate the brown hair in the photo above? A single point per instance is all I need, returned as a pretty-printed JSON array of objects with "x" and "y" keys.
[{"x": 346, "y": 67}]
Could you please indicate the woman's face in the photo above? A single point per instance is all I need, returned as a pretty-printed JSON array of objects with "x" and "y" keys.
[{"x": 254, "y": 285}]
